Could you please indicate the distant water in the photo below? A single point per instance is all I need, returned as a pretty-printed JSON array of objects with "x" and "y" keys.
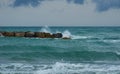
[{"x": 92, "y": 50}]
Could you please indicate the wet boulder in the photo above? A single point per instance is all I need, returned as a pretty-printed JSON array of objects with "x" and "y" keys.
[
  {"x": 39, "y": 34},
  {"x": 48, "y": 35},
  {"x": 9, "y": 34},
  {"x": 66, "y": 38},
  {"x": 43, "y": 35},
  {"x": 19, "y": 34},
  {"x": 57, "y": 35},
  {"x": 29, "y": 34}
]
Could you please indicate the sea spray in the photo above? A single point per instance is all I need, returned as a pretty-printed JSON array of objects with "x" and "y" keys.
[
  {"x": 45, "y": 29},
  {"x": 67, "y": 34}
]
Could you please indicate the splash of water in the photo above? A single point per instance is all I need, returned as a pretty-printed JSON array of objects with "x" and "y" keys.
[
  {"x": 1, "y": 35},
  {"x": 67, "y": 34},
  {"x": 45, "y": 29}
]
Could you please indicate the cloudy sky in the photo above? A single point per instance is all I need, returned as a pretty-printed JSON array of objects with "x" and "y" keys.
[{"x": 60, "y": 12}]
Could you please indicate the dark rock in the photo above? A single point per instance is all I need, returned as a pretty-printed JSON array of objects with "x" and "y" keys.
[
  {"x": 19, "y": 34},
  {"x": 57, "y": 35},
  {"x": 39, "y": 34},
  {"x": 9, "y": 34},
  {"x": 66, "y": 38},
  {"x": 29, "y": 34},
  {"x": 43, "y": 35},
  {"x": 48, "y": 35}
]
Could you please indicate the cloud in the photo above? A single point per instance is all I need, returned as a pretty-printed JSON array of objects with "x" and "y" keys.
[
  {"x": 6, "y": 3},
  {"x": 101, "y": 5},
  {"x": 76, "y": 1},
  {"x": 58, "y": 13},
  {"x": 33, "y": 3},
  {"x": 104, "y": 5}
]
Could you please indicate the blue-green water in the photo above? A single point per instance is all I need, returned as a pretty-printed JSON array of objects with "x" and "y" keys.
[{"x": 91, "y": 50}]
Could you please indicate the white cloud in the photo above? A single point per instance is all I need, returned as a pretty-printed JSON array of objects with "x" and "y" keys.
[
  {"x": 6, "y": 3},
  {"x": 58, "y": 12}
]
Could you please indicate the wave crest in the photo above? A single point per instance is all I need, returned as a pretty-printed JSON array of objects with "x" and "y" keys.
[{"x": 59, "y": 68}]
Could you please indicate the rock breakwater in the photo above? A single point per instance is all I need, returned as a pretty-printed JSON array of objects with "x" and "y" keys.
[{"x": 31, "y": 34}]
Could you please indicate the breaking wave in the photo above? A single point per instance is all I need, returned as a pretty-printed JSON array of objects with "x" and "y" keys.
[
  {"x": 45, "y": 29},
  {"x": 59, "y": 68}
]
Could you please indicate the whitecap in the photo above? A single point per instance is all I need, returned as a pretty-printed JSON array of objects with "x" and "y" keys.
[
  {"x": 80, "y": 37},
  {"x": 111, "y": 41},
  {"x": 60, "y": 68},
  {"x": 67, "y": 34},
  {"x": 81, "y": 68}
]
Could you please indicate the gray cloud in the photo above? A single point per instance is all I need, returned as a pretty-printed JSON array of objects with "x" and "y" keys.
[
  {"x": 101, "y": 5},
  {"x": 33, "y": 3},
  {"x": 76, "y": 1},
  {"x": 104, "y": 5}
]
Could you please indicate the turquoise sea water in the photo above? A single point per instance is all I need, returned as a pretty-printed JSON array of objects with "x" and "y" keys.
[{"x": 91, "y": 50}]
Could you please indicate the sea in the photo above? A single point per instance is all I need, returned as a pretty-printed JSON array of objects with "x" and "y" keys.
[{"x": 91, "y": 50}]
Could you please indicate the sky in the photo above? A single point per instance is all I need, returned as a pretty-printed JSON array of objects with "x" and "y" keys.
[{"x": 60, "y": 12}]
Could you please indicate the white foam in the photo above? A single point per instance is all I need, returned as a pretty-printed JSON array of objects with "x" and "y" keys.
[
  {"x": 1, "y": 35},
  {"x": 60, "y": 68},
  {"x": 117, "y": 52},
  {"x": 111, "y": 41},
  {"x": 67, "y": 68},
  {"x": 67, "y": 34},
  {"x": 80, "y": 37}
]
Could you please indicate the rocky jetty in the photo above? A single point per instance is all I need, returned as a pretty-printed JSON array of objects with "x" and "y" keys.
[
  {"x": 8, "y": 34},
  {"x": 19, "y": 34},
  {"x": 57, "y": 35},
  {"x": 31, "y": 34},
  {"x": 43, "y": 35}
]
